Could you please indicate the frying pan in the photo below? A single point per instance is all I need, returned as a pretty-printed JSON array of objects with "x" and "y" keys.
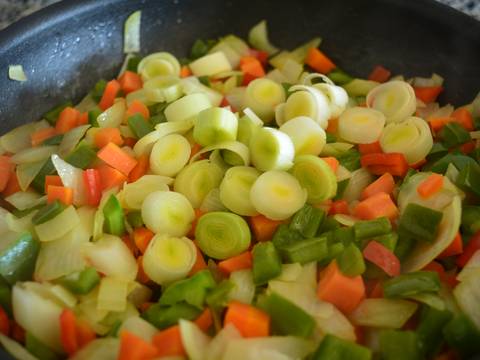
[{"x": 67, "y": 47}]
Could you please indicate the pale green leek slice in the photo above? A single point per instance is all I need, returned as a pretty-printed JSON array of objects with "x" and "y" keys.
[
  {"x": 235, "y": 189},
  {"x": 307, "y": 136},
  {"x": 169, "y": 155},
  {"x": 215, "y": 125},
  {"x": 271, "y": 149},
  {"x": 262, "y": 96},
  {"x": 360, "y": 125},
  {"x": 187, "y": 107},
  {"x": 258, "y": 38},
  {"x": 157, "y": 64}
]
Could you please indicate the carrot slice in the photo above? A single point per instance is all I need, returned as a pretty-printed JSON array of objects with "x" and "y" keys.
[
  {"x": 137, "y": 107},
  {"x": 85, "y": 333},
  {"x": 344, "y": 292},
  {"x": 199, "y": 264},
  {"x": 39, "y": 136},
  {"x": 60, "y": 193},
  {"x": 250, "y": 321},
  {"x": 67, "y": 120},
  {"x": 198, "y": 214},
  {"x": 436, "y": 124},
  {"x": 142, "y": 276},
  {"x": 142, "y": 237},
  {"x": 110, "y": 177},
  {"x": 52, "y": 180},
  {"x": 427, "y": 94},
  {"x": 332, "y": 162},
  {"x": 318, "y": 61},
  {"x": 380, "y": 74},
  {"x": 379, "y": 164},
  {"x": 205, "y": 320},
  {"x": 464, "y": 118},
  {"x": 339, "y": 207},
  {"x": 133, "y": 347},
  {"x": 371, "y": 148},
  {"x": 235, "y": 263},
  {"x": 252, "y": 69},
  {"x": 130, "y": 81},
  {"x": 384, "y": 183},
  {"x": 6, "y": 170},
  {"x": 169, "y": 342},
  {"x": 114, "y": 156},
  {"x": 262, "y": 227},
  {"x": 430, "y": 186},
  {"x": 12, "y": 185},
  {"x": 68, "y": 331},
  {"x": 376, "y": 206},
  {"x": 82, "y": 119},
  {"x": 93, "y": 186},
  {"x": 140, "y": 169},
  {"x": 106, "y": 135},
  {"x": 455, "y": 247},
  {"x": 185, "y": 71},
  {"x": 109, "y": 94}
]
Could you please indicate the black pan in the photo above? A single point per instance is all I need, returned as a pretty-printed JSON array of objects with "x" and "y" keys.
[{"x": 67, "y": 47}]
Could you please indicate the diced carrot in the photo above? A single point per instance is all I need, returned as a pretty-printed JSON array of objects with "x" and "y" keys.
[
  {"x": 235, "y": 263},
  {"x": 60, "y": 193},
  {"x": 85, "y": 333},
  {"x": 6, "y": 170},
  {"x": 205, "y": 320},
  {"x": 199, "y": 264},
  {"x": 142, "y": 237},
  {"x": 427, "y": 94},
  {"x": 436, "y": 124},
  {"x": 385, "y": 259},
  {"x": 142, "y": 276},
  {"x": 195, "y": 149},
  {"x": 384, "y": 183},
  {"x": 455, "y": 247},
  {"x": 12, "y": 186},
  {"x": 133, "y": 347},
  {"x": 127, "y": 240},
  {"x": 67, "y": 120},
  {"x": 430, "y": 186},
  {"x": 140, "y": 169},
  {"x": 110, "y": 177},
  {"x": 82, "y": 119},
  {"x": 106, "y": 135},
  {"x": 343, "y": 291},
  {"x": 376, "y": 206},
  {"x": 129, "y": 141},
  {"x": 198, "y": 214},
  {"x": 250, "y": 321},
  {"x": 185, "y": 71},
  {"x": 379, "y": 164},
  {"x": 472, "y": 246},
  {"x": 372, "y": 148},
  {"x": 109, "y": 94},
  {"x": 468, "y": 147},
  {"x": 318, "y": 61},
  {"x": 325, "y": 205},
  {"x": 464, "y": 118},
  {"x": 169, "y": 342},
  {"x": 261, "y": 55},
  {"x": 332, "y": 126},
  {"x": 52, "y": 180},
  {"x": 137, "y": 107},
  {"x": 130, "y": 81},
  {"x": 376, "y": 290},
  {"x": 262, "y": 227},
  {"x": 418, "y": 164},
  {"x": 114, "y": 156},
  {"x": 4, "y": 322},
  {"x": 93, "y": 186},
  {"x": 39, "y": 136},
  {"x": 17, "y": 332},
  {"x": 380, "y": 74},
  {"x": 448, "y": 279},
  {"x": 339, "y": 207},
  {"x": 332, "y": 162},
  {"x": 252, "y": 69},
  {"x": 68, "y": 332}
]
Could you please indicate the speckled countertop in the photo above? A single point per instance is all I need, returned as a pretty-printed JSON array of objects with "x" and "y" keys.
[{"x": 11, "y": 10}]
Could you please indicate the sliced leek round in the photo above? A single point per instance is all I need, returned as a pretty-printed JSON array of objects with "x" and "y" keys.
[
  {"x": 233, "y": 150},
  {"x": 271, "y": 149},
  {"x": 247, "y": 126},
  {"x": 167, "y": 212},
  {"x": 135, "y": 193},
  {"x": 411, "y": 137},
  {"x": 158, "y": 64},
  {"x": 169, "y": 155},
  {"x": 187, "y": 107},
  {"x": 168, "y": 259},
  {"x": 165, "y": 88},
  {"x": 221, "y": 235},
  {"x": 235, "y": 189},
  {"x": 262, "y": 96},
  {"x": 396, "y": 99},
  {"x": 307, "y": 136},
  {"x": 307, "y": 101},
  {"x": 360, "y": 125},
  {"x": 210, "y": 64},
  {"x": 215, "y": 125},
  {"x": 316, "y": 176},
  {"x": 277, "y": 195}
]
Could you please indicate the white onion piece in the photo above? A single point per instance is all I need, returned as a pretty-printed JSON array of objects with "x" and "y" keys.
[
  {"x": 113, "y": 116},
  {"x": 307, "y": 136},
  {"x": 71, "y": 139},
  {"x": 135, "y": 193},
  {"x": 72, "y": 177},
  {"x": 360, "y": 125},
  {"x": 396, "y": 99},
  {"x": 258, "y": 37},
  {"x": 31, "y": 155},
  {"x": 15, "y": 72}
]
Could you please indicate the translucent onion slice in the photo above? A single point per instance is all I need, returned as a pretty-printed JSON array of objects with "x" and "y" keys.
[
  {"x": 187, "y": 107},
  {"x": 167, "y": 212},
  {"x": 16, "y": 349},
  {"x": 292, "y": 71},
  {"x": 27, "y": 172},
  {"x": 194, "y": 340},
  {"x": 168, "y": 259},
  {"x": 360, "y": 125},
  {"x": 221, "y": 235},
  {"x": 26, "y": 199},
  {"x": 277, "y": 195},
  {"x": 215, "y": 125},
  {"x": 316, "y": 176},
  {"x": 169, "y": 155},
  {"x": 210, "y": 64},
  {"x": 31, "y": 155},
  {"x": 138, "y": 95},
  {"x": 135, "y": 193},
  {"x": 258, "y": 38},
  {"x": 271, "y": 149},
  {"x": 244, "y": 288},
  {"x": 262, "y": 96},
  {"x": 157, "y": 64},
  {"x": 113, "y": 116},
  {"x": 131, "y": 33},
  {"x": 196, "y": 180},
  {"x": 235, "y": 190},
  {"x": 308, "y": 101},
  {"x": 359, "y": 180},
  {"x": 15, "y": 72},
  {"x": 19, "y": 138},
  {"x": 234, "y": 150},
  {"x": 307, "y": 136},
  {"x": 396, "y": 99},
  {"x": 71, "y": 139},
  {"x": 58, "y": 226},
  {"x": 166, "y": 88},
  {"x": 72, "y": 177},
  {"x": 411, "y": 137},
  {"x": 192, "y": 85}
]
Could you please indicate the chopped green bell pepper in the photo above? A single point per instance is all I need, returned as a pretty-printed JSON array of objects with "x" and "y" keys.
[
  {"x": 139, "y": 125},
  {"x": 134, "y": 218},
  {"x": 38, "y": 182},
  {"x": 371, "y": 228},
  {"x": 17, "y": 259},
  {"x": 305, "y": 250},
  {"x": 468, "y": 179},
  {"x": 82, "y": 156},
  {"x": 165, "y": 316},
  {"x": 266, "y": 262},
  {"x": 81, "y": 282},
  {"x": 38, "y": 349},
  {"x": 133, "y": 62},
  {"x": 429, "y": 329},
  {"x": 54, "y": 140},
  {"x": 307, "y": 221},
  {"x": 399, "y": 345},
  {"x": 412, "y": 283},
  {"x": 97, "y": 92},
  {"x": 218, "y": 297},
  {"x": 419, "y": 222},
  {"x": 350, "y": 261},
  {"x": 285, "y": 235},
  {"x": 114, "y": 217},
  {"x": 339, "y": 77},
  {"x": 453, "y": 134},
  {"x": 462, "y": 335},
  {"x": 334, "y": 348},
  {"x": 93, "y": 115},
  {"x": 48, "y": 212}
]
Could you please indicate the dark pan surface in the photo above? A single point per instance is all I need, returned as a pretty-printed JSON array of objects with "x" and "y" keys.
[{"x": 67, "y": 47}]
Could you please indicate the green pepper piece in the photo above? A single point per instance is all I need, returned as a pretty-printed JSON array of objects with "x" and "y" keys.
[
  {"x": 307, "y": 220},
  {"x": 134, "y": 218},
  {"x": 165, "y": 316},
  {"x": 284, "y": 235},
  {"x": 98, "y": 89},
  {"x": 334, "y": 348},
  {"x": 305, "y": 251},
  {"x": 328, "y": 224},
  {"x": 200, "y": 48},
  {"x": 52, "y": 115},
  {"x": 388, "y": 240},
  {"x": 82, "y": 156},
  {"x": 139, "y": 126},
  {"x": 38, "y": 349},
  {"x": 412, "y": 283},
  {"x": 339, "y": 77},
  {"x": 430, "y": 329},
  {"x": 38, "y": 182},
  {"x": 399, "y": 345},
  {"x": 460, "y": 161},
  {"x": 54, "y": 140},
  {"x": 345, "y": 235},
  {"x": 462, "y": 335},
  {"x": 48, "y": 212},
  {"x": 453, "y": 134},
  {"x": 420, "y": 222},
  {"x": 192, "y": 290},
  {"x": 371, "y": 228},
  {"x": 6, "y": 296},
  {"x": 468, "y": 179},
  {"x": 81, "y": 282},
  {"x": 93, "y": 115},
  {"x": 266, "y": 262},
  {"x": 470, "y": 219},
  {"x": 351, "y": 261},
  {"x": 218, "y": 298},
  {"x": 114, "y": 217},
  {"x": 17, "y": 259},
  {"x": 350, "y": 160},
  {"x": 405, "y": 244},
  {"x": 133, "y": 62}
]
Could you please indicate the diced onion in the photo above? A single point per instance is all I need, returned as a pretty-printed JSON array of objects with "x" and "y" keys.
[
  {"x": 19, "y": 138},
  {"x": 27, "y": 172},
  {"x": 15, "y": 349},
  {"x": 25, "y": 199},
  {"x": 164, "y": 88},
  {"x": 359, "y": 180},
  {"x": 113, "y": 116},
  {"x": 135, "y": 193},
  {"x": 235, "y": 189},
  {"x": 72, "y": 177},
  {"x": 411, "y": 137},
  {"x": 194, "y": 340},
  {"x": 271, "y": 149},
  {"x": 307, "y": 136},
  {"x": 58, "y": 226},
  {"x": 277, "y": 195},
  {"x": 244, "y": 288},
  {"x": 291, "y": 70},
  {"x": 71, "y": 139},
  {"x": 262, "y": 96},
  {"x": 360, "y": 125},
  {"x": 258, "y": 38},
  {"x": 15, "y": 72},
  {"x": 112, "y": 294},
  {"x": 300, "y": 52},
  {"x": 35, "y": 154},
  {"x": 215, "y": 125},
  {"x": 210, "y": 64},
  {"x": 168, "y": 259},
  {"x": 131, "y": 33},
  {"x": 139, "y": 327},
  {"x": 169, "y": 155},
  {"x": 232, "y": 56},
  {"x": 167, "y": 212},
  {"x": 236, "y": 97},
  {"x": 187, "y": 107},
  {"x": 383, "y": 313},
  {"x": 396, "y": 99},
  {"x": 192, "y": 85},
  {"x": 157, "y": 64}
]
